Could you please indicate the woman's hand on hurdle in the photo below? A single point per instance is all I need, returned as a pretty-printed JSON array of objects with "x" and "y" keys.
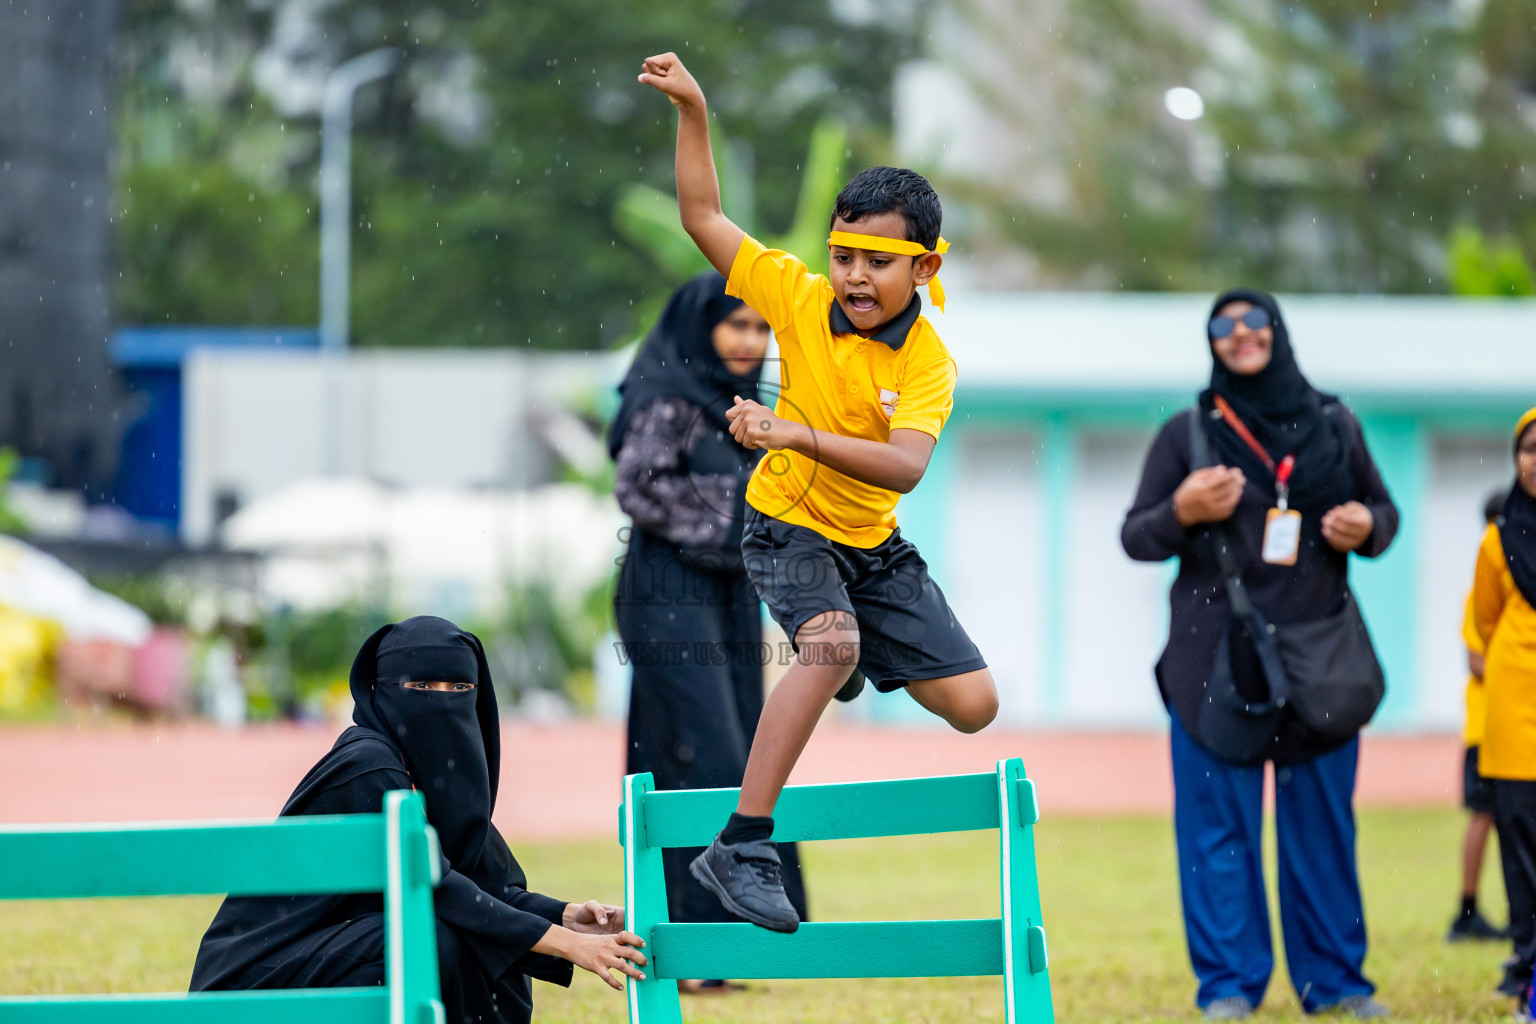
[
  {"x": 600, "y": 954},
  {"x": 593, "y": 918}
]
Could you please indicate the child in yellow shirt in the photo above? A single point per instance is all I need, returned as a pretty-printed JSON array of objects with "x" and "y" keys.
[
  {"x": 866, "y": 386},
  {"x": 1503, "y": 596}
]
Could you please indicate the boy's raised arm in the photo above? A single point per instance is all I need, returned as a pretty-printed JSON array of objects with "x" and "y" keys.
[{"x": 698, "y": 190}]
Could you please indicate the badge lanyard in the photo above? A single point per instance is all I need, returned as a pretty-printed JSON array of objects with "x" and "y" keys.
[{"x": 1282, "y": 525}]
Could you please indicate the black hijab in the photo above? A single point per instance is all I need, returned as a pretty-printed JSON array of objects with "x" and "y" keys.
[
  {"x": 450, "y": 742},
  {"x": 1517, "y": 527},
  {"x": 1285, "y": 414},
  {"x": 678, "y": 360},
  {"x": 447, "y": 743}
]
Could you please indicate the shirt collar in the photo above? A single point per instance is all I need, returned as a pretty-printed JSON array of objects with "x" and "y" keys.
[{"x": 893, "y": 333}]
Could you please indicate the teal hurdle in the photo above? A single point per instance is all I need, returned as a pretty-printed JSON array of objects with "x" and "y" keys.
[
  {"x": 395, "y": 853},
  {"x": 1012, "y": 946}
]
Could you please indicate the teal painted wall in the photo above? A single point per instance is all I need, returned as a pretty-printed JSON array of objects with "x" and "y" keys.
[
  {"x": 1388, "y": 586},
  {"x": 1058, "y": 472},
  {"x": 923, "y": 516}
]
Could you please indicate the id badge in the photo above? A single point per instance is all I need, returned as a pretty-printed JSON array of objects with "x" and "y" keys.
[{"x": 1282, "y": 536}]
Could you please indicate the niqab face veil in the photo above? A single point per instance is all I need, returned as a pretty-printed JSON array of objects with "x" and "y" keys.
[
  {"x": 1285, "y": 413},
  {"x": 449, "y": 741},
  {"x": 1517, "y": 527}
]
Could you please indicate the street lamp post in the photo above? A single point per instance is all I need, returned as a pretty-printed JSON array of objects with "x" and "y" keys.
[{"x": 341, "y": 86}]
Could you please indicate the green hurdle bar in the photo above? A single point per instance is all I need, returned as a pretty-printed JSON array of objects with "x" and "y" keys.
[
  {"x": 395, "y": 853},
  {"x": 1013, "y": 946}
]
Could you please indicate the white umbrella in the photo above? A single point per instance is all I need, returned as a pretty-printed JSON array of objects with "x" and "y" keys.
[{"x": 41, "y": 585}]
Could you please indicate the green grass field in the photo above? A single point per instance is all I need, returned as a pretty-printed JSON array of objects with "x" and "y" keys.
[{"x": 1111, "y": 910}]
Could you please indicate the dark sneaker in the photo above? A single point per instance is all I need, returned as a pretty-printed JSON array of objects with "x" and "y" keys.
[
  {"x": 1517, "y": 978},
  {"x": 852, "y": 688},
  {"x": 1229, "y": 1008},
  {"x": 1361, "y": 1007},
  {"x": 745, "y": 876},
  {"x": 1474, "y": 927}
]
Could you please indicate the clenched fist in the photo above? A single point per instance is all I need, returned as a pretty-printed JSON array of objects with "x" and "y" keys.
[
  {"x": 666, "y": 73},
  {"x": 1208, "y": 495},
  {"x": 754, "y": 425}
]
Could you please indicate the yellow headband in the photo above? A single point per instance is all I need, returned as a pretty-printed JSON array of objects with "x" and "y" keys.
[
  {"x": 900, "y": 246},
  {"x": 1525, "y": 421}
]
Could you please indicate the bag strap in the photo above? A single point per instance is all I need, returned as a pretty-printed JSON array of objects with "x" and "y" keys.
[{"x": 1231, "y": 573}]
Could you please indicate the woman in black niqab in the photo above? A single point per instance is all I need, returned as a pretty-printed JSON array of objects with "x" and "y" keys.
[{"x": 441, "y": 736}]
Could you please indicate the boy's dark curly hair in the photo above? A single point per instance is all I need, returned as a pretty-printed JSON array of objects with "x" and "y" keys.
[{"x": 893, "y": 189}]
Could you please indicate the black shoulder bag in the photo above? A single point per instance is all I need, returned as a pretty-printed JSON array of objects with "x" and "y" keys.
[{"x": 1283, "y": 692}]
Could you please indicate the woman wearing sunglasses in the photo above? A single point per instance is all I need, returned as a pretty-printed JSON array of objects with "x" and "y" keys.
[{"x": 1277, "y": 473}]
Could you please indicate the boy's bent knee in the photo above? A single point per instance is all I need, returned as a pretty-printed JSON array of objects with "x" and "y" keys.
[
  {"x": 974, "y": 716},
  {"x": 972, "y": 706}
]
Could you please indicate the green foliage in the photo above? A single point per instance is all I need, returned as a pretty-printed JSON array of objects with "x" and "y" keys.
[
  {"x": 1480, "y": 267},
  {"x": 1342, "y": 140},
  {"x": 320, "y": 645},
  {"x": 545, "y": 642},
  {"x": 647, "y": 217},
  {"x": 487, "y": 169},
  {"x": 156, "y": 594},
  {"x": 10, "y": 521},
  {"x": 209, "y": 246}
]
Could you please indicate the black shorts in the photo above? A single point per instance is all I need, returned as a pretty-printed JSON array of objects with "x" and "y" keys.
[
  {"x": 1476, "y": 791},
  {"x": 906, "y": 630}
]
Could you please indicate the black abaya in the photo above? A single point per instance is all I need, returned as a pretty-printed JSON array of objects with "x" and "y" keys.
[{"x": 488, "y": 921}]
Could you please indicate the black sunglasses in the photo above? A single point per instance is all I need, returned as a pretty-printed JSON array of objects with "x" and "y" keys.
[{"x": 1222, "y": 326}]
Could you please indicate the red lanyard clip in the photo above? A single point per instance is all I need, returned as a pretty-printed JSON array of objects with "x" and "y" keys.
[{"x": 1283, "y": 481}]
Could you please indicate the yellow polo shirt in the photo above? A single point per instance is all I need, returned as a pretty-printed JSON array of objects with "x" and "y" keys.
[
  {"x": 840, "y": 383},
  {"x": 1506, "y": 623},
  {"x": 1477, "y": 697}
]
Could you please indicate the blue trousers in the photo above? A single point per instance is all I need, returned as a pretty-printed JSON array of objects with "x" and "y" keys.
[{"x": 1218, "y": 824}]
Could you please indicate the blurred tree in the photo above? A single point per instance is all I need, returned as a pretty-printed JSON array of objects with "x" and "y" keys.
[
  {"x": 1342, "y": 140},
  {"x": 10, "y": 520},
  {"x": 1479, "y": 267},
  {"x": 486, "y": 169},
  {"x": 647, "y": 217}
]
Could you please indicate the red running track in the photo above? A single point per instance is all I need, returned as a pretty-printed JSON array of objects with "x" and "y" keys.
[{"x": 561, "y": 781}]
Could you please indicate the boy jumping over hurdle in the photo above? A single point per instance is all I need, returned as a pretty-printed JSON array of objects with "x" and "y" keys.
[{"x": 866, "y": 386}]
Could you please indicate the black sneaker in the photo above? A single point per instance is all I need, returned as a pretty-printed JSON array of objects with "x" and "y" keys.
[
  {"x": 1517, "y": 978},
  {"x": 1474, "y": 927},
  {"x": 745, "y": 877},
  {"x": 852, "y": 688}
]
